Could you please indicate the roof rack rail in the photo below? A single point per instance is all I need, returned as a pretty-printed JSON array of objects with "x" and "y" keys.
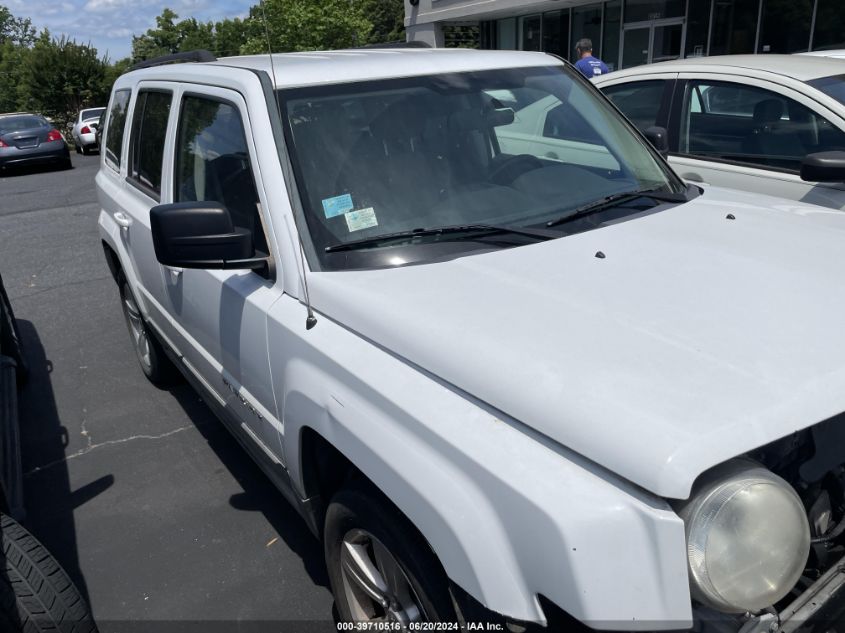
[
  {"x": 198, "y": 56},
  {"x": 400, "y": 44}
]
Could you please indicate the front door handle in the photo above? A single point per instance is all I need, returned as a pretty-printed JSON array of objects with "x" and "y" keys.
[{"x": 122, "y": 219}]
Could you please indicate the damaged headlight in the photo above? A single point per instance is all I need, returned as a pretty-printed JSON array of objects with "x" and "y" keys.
[{"x": 748, "y": 537}]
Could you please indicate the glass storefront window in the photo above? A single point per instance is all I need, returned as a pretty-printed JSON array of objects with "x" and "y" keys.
[
  {"x": 734, "y": 26},
  {"x": 698, "y": 25},
  {"x": 506, "y": 34},
  {"x": 556, "y": 32},
  {"x": 830, "y": 25},
  {"x": 644, "y": 10},
  {"x": 530, "y": 26},
  {"x": 785, "y": 27},
  {"x": 610, "y": 39},
  {"x": 586, "y": 22}
]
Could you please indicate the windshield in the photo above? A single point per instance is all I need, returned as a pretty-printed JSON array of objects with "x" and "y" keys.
[
  {"x": 832, "y": 86},
  {"x": 93, "y": 113},
  {"x": 16, "y": 123},
  {"x": 510, "y": 147}
]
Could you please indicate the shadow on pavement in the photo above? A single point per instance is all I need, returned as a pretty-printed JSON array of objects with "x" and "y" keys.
[
  {"x": 48, "y": 497},
  {"x": 15, "y": 170},
  {"x": 259, "y": 494}
]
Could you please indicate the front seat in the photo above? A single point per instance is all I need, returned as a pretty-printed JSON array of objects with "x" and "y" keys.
[{"x": 771, "y": 137}]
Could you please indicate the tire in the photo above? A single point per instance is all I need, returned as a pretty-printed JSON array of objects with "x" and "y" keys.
[
  {"x": 36, "y": 595},
  {"x": 154, "y": 362},
  {"x": 84, "y": 150},
  {"x": 78, "y": 149},
  {"x": 362, "y": 523}
]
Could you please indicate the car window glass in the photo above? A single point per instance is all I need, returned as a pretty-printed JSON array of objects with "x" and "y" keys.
[
  {"x": 149, "y": 128},
  {"x": 213, "y": 164},
  {"x": 116, "y": 126},
  {"x": 15, "y": 123},
  {"x": 752, "y": 125},
  {"x": 561, "y": 135},
  {"x": 93, "y": 113},
  {"x": 639, "y": 101},
  {"x": 506, "y": 146}
]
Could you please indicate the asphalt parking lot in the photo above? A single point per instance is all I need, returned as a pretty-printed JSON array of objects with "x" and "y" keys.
[{"x": 145, "y": 499}]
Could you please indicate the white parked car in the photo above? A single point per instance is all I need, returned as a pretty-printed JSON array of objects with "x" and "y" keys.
[
  {"x": 750, "y": 122},
  {"x": 505, "y": 363},
  {"x": 84, "y": 129}
]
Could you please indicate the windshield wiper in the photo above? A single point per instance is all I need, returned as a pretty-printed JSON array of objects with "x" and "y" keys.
[
  {"x": 471, "y": 231},
  {"x": 616, "y": 198}
]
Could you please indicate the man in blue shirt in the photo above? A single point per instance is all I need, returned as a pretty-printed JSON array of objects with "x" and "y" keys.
[{"x": 588, "y": 65}]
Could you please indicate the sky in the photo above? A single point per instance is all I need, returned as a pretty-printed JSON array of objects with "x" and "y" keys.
[{"x": 110, "y": 24}]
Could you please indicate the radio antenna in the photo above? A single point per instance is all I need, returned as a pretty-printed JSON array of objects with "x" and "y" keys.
[{"x": 310, "y": 319}]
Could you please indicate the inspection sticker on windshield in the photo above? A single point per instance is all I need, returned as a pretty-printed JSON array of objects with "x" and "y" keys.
[
  {"x": 361, "y": 219},
  {"x": 337, "y": 205}
]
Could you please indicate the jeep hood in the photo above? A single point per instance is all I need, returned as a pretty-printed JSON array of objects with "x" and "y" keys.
[{"x": 695, "y": 339}]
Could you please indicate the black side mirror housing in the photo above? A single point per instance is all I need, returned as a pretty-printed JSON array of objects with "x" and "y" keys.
[
  {"x": 658, "y": 137},
  {"x": 823, "y": 167},
  {"x": 201, "y": 235}
]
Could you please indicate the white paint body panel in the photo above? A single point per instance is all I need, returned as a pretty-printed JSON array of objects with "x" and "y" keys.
[{"x": 527, "y": 409}]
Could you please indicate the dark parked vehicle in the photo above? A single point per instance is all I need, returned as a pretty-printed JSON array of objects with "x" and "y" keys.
[
  {"x": 29, "y": 139},
  {"x": 36, "y": 594}
]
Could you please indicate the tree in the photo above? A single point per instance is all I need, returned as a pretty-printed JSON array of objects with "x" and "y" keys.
[
  {"x": 16, "y": 30},
  {"x": 13, "y": 59},
  {"x": 165, "y": 39},
  {"x": 230, "y": 35},
  {"x": 304, "y": 25},
  {"x": 61, "y": 77},
  {"x": 388, "y": 18},
  {"x": 224, "y": 38}
]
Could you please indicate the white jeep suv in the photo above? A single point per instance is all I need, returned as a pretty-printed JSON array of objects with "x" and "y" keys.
[{"x": 507, "y": 372}]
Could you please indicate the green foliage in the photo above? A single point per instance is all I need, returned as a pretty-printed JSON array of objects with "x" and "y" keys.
[
  {"x": 61, "y": 77},
  {"x": 388, "y": 19},
  {"x": 58, "y": 77},
  {"x": 305, "y": 25},
  {"x": 223, "y": 38},
  {"x": 15, "y": 30},
  {"x": 230, "y": 35}
]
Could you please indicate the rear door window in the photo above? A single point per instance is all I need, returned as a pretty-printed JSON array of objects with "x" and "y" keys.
[
  {"x": 116, "y": 127},
  {"x": 149, "y": 129}
]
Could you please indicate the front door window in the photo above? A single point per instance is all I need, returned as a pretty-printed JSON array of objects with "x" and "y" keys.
[{"x": 746, "y": 124}]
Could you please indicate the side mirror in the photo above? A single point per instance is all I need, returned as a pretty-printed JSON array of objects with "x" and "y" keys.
[
  {"x": 201, "y": 235},
  {"x": 500, "y": 117},
  {"x": 658, "y": 137},
  {"x": 823, "y": 167}
]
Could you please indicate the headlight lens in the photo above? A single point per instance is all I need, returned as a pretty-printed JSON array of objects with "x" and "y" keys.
[{"x": 748, "y": 537}]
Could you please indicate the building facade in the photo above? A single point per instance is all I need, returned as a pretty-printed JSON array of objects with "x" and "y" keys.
[{"x": 632, "y": 32}]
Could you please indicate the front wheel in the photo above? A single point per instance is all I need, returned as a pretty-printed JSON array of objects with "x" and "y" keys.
[
  {"x": 380, "y": 567},
  {"x": 151, "y": 356}
]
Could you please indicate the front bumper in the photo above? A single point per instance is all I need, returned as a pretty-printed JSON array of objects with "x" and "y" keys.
[{"x": 51, "y": 152}]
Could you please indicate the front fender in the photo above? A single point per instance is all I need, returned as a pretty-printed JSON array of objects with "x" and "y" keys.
[{"x": 510, "y": 514}]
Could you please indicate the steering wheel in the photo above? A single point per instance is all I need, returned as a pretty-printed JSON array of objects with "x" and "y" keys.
[{"x": 511, "y": 168}]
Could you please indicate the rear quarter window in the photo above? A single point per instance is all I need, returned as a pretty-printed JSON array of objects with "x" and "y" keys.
[{"x": 116, "y": 126}]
